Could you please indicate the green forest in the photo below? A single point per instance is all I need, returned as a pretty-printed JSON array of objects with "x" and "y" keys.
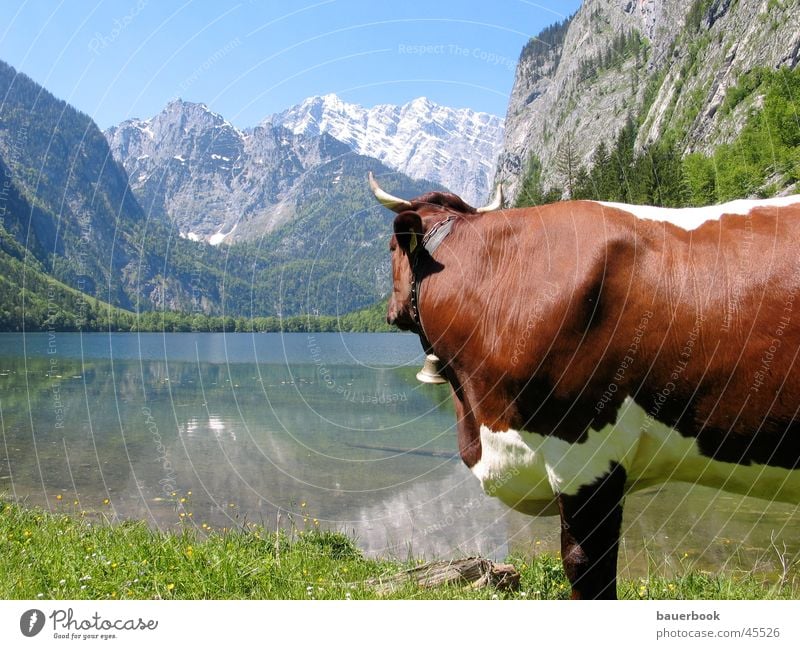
[
  {"x": 48, "y": 305},
  {"x": 31, "y": 300}
]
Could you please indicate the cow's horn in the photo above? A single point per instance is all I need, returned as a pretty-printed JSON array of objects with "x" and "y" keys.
[
  {"x": 387, "y": 200},
  {"x": 496, "y": 204}
]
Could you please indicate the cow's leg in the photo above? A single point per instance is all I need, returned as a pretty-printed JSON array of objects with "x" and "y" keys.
[
  {"x": 590, "y": 527},
  {"x": 469, "y": 441}
]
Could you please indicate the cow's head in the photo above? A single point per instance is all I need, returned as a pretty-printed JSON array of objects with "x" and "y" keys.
[{"x": 414, "y": 218}]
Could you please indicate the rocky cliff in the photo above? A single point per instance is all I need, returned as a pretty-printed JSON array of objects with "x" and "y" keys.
[{"x": 669, "y": 64}]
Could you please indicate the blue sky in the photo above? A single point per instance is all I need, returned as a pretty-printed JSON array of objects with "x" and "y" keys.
[{"x": 246, "y": 60}]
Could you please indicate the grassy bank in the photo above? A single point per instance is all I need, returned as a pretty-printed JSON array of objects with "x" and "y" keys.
[{"x": 51, "y": 556}]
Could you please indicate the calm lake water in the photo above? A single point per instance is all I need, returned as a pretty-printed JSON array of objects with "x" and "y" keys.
[{"x": 300, "y": 430}]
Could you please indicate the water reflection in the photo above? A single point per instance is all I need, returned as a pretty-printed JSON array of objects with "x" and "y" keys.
[{"x": 302, "y": 430}]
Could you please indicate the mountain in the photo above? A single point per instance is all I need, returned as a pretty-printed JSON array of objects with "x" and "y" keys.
[
  {"x": 126, "y": 218},
  {"x": 66, "y": 203},
  {"x": 65, "y": 199},
  {"x": 303, "y": 233},
  {"x": 70, "y": 218},
  {"x": 190, "y": 167},
  {"x": 456, "y": 148},
  {"x": 682, "y": 72},
  {"x": 193, "y": 169}
]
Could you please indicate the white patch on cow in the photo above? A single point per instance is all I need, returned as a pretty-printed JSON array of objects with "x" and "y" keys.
[
  {"x": 526, "y": 470},
  {"x": 690, "y": 218}
]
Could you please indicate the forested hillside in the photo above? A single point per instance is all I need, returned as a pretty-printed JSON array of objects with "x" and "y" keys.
[
  {"x": 762, "y": 160},
  {"x": 32, "y": 300}
]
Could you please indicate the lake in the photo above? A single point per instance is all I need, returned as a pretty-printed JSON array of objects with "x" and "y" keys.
[{"x": 303, "y": 431}]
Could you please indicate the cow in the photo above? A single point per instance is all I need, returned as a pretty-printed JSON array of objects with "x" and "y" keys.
[{"x": 593, "y": 349}]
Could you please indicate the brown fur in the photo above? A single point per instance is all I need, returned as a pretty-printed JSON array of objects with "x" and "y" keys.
[{"x": 533, "y": 312}]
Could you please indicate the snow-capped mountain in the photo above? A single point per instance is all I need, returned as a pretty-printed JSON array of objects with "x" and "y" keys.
[
  {"x": 457, "y": 148},
  {"x": 191, "y": 167}
]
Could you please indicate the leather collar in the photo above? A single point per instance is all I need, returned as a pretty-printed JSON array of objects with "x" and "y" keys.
[{"x": 430, "y": 242}]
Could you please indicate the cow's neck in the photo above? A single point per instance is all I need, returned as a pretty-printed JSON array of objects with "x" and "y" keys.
[{"x": 423, "y": 265}]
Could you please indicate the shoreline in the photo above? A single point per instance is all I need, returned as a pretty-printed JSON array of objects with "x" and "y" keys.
[{"x": 58, "y": 556}]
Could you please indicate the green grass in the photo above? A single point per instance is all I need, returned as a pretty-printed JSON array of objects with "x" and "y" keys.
[{"x": 61, "y": 556}]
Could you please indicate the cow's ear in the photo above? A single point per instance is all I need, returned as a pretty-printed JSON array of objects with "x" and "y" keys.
[{"x": 408, "y": 231}]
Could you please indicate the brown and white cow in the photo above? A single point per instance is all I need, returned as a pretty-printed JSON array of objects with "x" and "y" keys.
[{"x": 598, "y": 348}]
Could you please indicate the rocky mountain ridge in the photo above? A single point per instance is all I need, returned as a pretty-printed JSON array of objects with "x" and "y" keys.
[{"x": 190, "y": 167}]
